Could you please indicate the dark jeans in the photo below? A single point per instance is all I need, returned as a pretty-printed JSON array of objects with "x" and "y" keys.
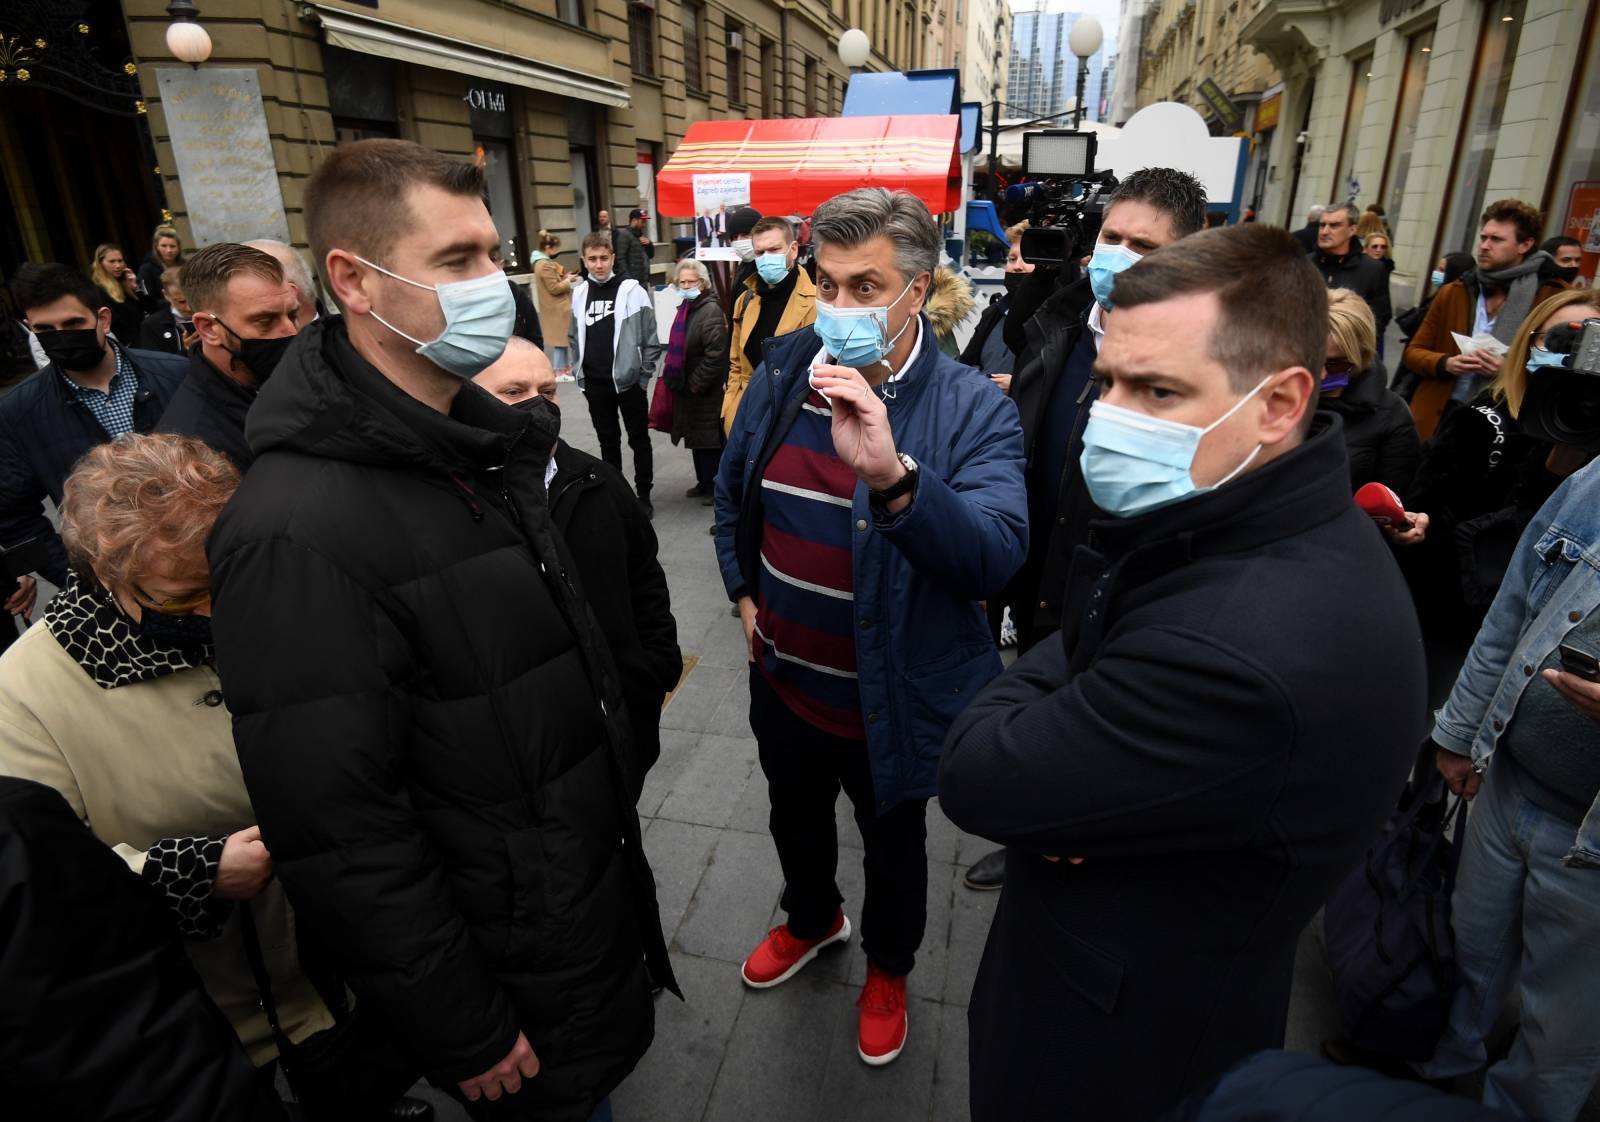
[
  {"x": 605, "y": 403},
  {"x": 706, "y": 462},
  {"x": 805, "y": 768}
]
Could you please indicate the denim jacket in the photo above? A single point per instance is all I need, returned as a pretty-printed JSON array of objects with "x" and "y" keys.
[{"x": 1553, "y": 582}]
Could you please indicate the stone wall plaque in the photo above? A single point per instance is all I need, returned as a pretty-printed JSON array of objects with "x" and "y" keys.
[{"x": 224, "y": 153}]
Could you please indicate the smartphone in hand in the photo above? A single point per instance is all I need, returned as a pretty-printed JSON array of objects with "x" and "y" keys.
[{"x": 1580, "y": 663}]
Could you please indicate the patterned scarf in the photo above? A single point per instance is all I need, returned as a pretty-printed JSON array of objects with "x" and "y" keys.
[
  {"x": 678, "y": 345},
  {"x": 91, "y": 628}
]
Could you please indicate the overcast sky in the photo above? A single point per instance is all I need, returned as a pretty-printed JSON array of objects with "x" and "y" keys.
[{"x": 1104, "y": 10}]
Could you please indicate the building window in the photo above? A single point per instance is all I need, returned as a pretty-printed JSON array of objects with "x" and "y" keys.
[
  {"x": 1345, "y": 173},
  {"x": 735, "y": 63},
  {"x": 693, "y": 69},
  {"x": 1480, "y": 128},
  {"x": 1403, "y": 137},
  {"x": 570, "y": 11},
  {"x": 811, "y": 86},
  {"x": 767, "y": 70},
  {"x": 1573, "y": 206},
  {"x": 642, "y": 37}
]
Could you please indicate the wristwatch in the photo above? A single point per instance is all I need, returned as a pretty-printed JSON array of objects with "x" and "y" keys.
[{"x": 905, "y": 485}]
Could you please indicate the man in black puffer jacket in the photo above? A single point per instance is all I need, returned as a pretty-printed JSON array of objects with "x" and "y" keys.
[
  {"x": 427, "y": 717},
  {"x": 614, "y": 548}
]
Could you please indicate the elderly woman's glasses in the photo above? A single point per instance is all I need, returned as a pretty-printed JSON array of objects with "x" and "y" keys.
[{"x": 173, "y": 605}]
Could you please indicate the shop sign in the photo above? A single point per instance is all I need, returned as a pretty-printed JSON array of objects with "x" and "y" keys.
[
  {"x": 1221, "y": 104},
  {"x": 1267, "y": 113},
  {"x": 490, "y": 105}
]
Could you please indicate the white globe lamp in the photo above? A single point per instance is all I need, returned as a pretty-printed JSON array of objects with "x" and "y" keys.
[
  {"x": 854, "y": 48},
  {"x": 188, "y": 42},
  {"x": 1086, "y": 36}
]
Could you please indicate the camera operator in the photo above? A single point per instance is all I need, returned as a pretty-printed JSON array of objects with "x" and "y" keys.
[
  {"x": 1482, "y": 477},
  {"x": 1520, "y": 731},
  {"x": 1151, "y": 208}
]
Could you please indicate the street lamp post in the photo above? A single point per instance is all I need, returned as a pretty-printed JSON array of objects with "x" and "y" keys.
[
  {"x": 186, "y": 39},
  {"x": 1084, "y": 41}
]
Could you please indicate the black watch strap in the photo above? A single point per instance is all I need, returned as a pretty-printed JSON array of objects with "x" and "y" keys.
[{"x": 902, "y": 486}]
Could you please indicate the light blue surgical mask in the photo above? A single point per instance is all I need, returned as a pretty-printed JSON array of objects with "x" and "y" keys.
[
  {"x": 1539, "y": 358},
  {"x": 1436, "y": 278},
  {"x": 1134, "y": 463},
  {"x": 773, "y": 267},
  {"x": 858, "y": 337},
  {"x": 1107, "y": 262},
  {"x": 687, "y": 293},
  {"x": 478, "y": 317}
]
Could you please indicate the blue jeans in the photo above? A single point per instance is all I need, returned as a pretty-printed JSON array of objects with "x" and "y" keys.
[{"x": 1518, "y": 909}]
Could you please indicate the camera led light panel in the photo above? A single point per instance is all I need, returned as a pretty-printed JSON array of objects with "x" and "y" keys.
[{"x": 1060, "y": 152}]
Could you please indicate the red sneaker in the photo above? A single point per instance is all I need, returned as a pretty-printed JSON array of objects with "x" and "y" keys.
[
  {"x": 780, "y": 955},
  {"x": 881, "y": 1028}
]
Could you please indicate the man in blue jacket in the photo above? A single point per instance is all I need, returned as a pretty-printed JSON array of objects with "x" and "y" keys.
[
  {"x": 94, "y": 390},
  {"x": 870, "y": 496},
  {"x": 1217, "y": 732}
]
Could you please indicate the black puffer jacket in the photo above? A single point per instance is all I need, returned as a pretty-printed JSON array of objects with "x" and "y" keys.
[
  {"x": 1361, "y": 274},
  {"x": 103, "y": 1016},
  {"x": 417, "y": 695},
  {"x": 614, "y": 546},
  {"x": 1379, "y": 433},
  {"x": 212, "y": 407},
  {"x": 697, "y": 407},
  {"x": 44, "y": 430}
]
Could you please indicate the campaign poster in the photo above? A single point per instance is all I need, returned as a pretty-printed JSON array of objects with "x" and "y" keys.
[{"x": 715, "y": 198}]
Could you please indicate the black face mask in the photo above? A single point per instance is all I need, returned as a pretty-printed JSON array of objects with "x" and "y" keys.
[
  {"x": 77, "y": 350},
  {"x": 176, "y": 631},
  {"x": 1568, "y": 273},
  {"x": 1014, "y": 282},
  {"x": 543, "y": 408},
  {"x": 262, "y": 356}
]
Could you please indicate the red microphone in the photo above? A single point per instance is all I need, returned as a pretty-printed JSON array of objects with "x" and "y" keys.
[{"x": 1383, "y": 506}]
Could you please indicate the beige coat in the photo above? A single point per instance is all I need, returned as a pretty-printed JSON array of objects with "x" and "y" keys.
[
  {"x": 552, "y": 292},
  {"x": 143, "y": 762},
  {"x": 800, "y": 311}
]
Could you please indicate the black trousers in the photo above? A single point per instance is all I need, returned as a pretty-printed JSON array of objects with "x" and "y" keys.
[
  {"x": 805, "y": 768},
  {"x": 706, "y": 463},
  {"x": 605, "y": 403}
]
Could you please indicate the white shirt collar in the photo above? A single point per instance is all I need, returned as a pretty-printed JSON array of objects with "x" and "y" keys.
[
  {"x": 911, "y": 358},
  {"x": 1097, "y": 325},
  {"x": 550, "y": 468}
]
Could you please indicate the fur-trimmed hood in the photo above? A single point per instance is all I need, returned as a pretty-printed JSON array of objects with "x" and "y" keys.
[{"x": 949, "y": 301}]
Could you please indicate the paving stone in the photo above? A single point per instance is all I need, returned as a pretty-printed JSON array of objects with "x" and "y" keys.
[
  {"x": 731, "y": 910},
  {"x": 677, "y": 750},
  {"x": 779, "y": 1052},
  {"x": 674, "y": 1080},
  {"x": 753, "y": 813},
  {"x": 970, "y": 915},
  {"x": 950, "y": 1101},
  {"x": 679, "y": 853},
  {"x": 944, "y": 840},
  {"x": 712, "y": 784},
  {"x": 698, "y": 698}
]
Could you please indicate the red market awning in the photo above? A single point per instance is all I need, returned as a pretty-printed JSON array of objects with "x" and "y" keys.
[{"x": 796, "y": 164}]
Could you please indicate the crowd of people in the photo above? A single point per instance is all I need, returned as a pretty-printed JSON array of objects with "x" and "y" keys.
[{"x": 357, "y": 664}]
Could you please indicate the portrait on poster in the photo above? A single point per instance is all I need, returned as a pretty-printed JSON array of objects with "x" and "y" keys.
[{"x": 715, "y": 198}]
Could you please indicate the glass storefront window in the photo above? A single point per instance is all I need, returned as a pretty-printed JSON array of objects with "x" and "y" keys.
[
  {"x": 494, "y": 156},
  {"x": 1360, "y": 82},
  {"x": 1481, "y": 125},
  {"x": 1575, "y": 197},
  {"x": 1397, "y": 164}
]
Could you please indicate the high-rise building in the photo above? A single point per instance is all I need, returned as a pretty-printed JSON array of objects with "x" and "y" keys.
[{"x": 1044, "y": 71}]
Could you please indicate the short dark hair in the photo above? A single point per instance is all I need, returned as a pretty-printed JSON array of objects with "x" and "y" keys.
[
  {"x": 775, "y": 222},
  {"x": 206, "y": 274},
  {"x": 1263, "y": 327},
  {"x": 34, "y": 285},
  {"x": 1376, "y": 208},
  {"x": 598, "y": 240},
  {"x": 1175, "y": 192},
  {"x": 1559, "y": 242},
  {"x": 356, "y": 199},
  {"x": 1527, "y": 218}
]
